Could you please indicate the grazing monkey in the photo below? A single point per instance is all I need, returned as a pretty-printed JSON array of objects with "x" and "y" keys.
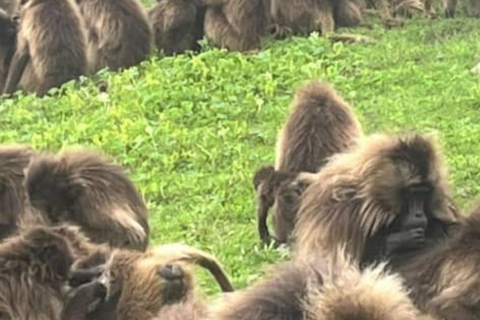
[
  {"x": 321, "y": 290},
  {"x": 13, "y": 161},
  {"x": 51, "y": 46},
  {"x": 320, "y": 125},
  {"x": 444, "y": 281},
  {"x": 386, "y": 199},
  {"x": 174, "y": 25},
  {"x": 236, "y": 25},
  {"x": 119, "y": 33},
  {"x": 8, "y": 40},
  {"x": 34, "y": 268},
  {"x": 88, "y": 190}
]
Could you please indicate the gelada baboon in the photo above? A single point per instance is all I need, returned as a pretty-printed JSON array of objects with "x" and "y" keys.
[
  {"x": 35, "y": 266},
  {"x": 13, "y": 161},
  {"x": 237, "y": 25},
  {"x": 119, "y": 33},
  {"x": 8, "y": 40},
  {"x": 51, "y": 46},
  {"x": 321, "y": 290},
  {"x": 176, "y": 24},
  {"x": 388, "y": 198},
  {"x": 157, "y": 278},
  {"x": 86, "y": 189},
  {"x": 444, "y": 281},
  {"x": 320, "y": 125},
  {"x": 149, "y": 281}
]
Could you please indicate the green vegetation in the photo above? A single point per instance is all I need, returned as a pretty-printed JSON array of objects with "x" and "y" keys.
[{"x": 192, "y": 129}]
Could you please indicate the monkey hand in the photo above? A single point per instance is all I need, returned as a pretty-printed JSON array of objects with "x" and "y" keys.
[
  {"x": 82, "y": 276},
  {"x": 411, "y": 239},
  {"x": 393, "y": 23},
  {"x": 82, "y": 300}
]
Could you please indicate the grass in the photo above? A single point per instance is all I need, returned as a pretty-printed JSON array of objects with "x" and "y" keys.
[{"x": 192, "y": 129}]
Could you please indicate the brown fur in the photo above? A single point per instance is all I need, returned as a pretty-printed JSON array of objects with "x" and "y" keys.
[
  {"x": 445, "y": 281},
  {"x": 8, "y": 43},
  {"x": 174, "y": 25},
  {"x": 237, "y": 25},
  {"x": 51, "y": 47},
  {"x": 145, "y": 292},
  {"x": 119, "y": 33},
  {"x": 13, "y": 160},
  {"x": 321, "y": 290},
  {"x": 89, "y": 190},
  {"x": 359, "y": 194},
  {"x": 34, "y": 268},
  {"x": 449, "y": 7},
  {"x": 320, "y": 125}
]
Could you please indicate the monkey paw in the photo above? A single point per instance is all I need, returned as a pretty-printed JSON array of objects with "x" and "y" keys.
[
  {"x": 280, "y": 32},
  {"x": 350, "y": 38},
  {"x": 393, "y": 23}
]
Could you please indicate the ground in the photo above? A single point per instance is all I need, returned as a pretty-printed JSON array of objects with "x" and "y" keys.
[{"x": 193, "y": 129}]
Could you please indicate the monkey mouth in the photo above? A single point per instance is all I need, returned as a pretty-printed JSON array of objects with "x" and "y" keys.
[{"x": 174, "y": 291}]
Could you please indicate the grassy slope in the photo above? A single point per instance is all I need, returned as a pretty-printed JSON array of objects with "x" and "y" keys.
[{"x": 193, "y": 129}]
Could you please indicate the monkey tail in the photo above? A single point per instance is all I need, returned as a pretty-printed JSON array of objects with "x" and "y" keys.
[{"x": 180, "y": 252}]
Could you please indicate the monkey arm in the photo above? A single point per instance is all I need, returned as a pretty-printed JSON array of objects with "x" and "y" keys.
[
  {"x": 77, "y": 305},
  {"x": 19, "y": 63},
  {"x": 262, "y": 212},
  {"x": 82, "y": 276}
]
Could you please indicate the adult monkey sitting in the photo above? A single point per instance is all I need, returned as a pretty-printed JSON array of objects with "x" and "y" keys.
[{"x": 387, "y": 199}]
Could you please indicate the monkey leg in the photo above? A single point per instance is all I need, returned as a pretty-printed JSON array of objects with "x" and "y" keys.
[
  {"x": 219, "y": 31},
  {"x": 385, "y": 15},
  {"x": 429, "y": 9},
  {"x": 450, "y": 8}
]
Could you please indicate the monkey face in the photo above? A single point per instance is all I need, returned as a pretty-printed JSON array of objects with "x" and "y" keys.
[{"x": 286, "y": 206}]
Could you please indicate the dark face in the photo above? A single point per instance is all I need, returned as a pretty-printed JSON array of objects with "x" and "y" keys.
[
  {"x": 416, "y": 207},
  {"x": 287, "y": 202}
]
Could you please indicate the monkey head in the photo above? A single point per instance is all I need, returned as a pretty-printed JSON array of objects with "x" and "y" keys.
[
  {"x": 348, "y": 293},
  {"x": 47, "y": 188},
  {"x": 393, "y": 187},
  {"x": 38, "y": 252}
]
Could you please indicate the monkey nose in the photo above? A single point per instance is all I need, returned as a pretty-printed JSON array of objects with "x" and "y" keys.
[{"x": 170, "y": 272}]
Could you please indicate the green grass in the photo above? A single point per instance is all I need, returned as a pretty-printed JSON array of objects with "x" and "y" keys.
[{"x": 193, "y": 129}]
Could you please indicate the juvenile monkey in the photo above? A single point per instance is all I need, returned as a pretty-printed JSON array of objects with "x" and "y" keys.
[
  {"x": 89, "y": 190},
  {"x": 388, "y": 199},
  {"x": 237, "y": 25},
  {"x": 320, "y": 125},
  {"x": 119, "y": 33},
  {"x": 174, "y": 25},
  {"x": 51, "y": 46}
]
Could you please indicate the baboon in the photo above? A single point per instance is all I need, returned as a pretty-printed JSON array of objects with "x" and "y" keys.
[
  {"x": 8, "y": 40},
  {"x": 174, "y": 23},
  {"x": 149, "y": 281},
  {"x": 50, "y": 49},
  {"x": 158, "y": 278},
  {"x": 321, "y": 290},
  {"x": 89, "y": 190},
  {"x": 119, "y": 33},
  {"x": 35, "y": 266},
  {"x": 386, "y": 199},
  {"x": 444, "y": 281},
  {"x": 237, "y": 25},
  {"x": 13, "y": 160},
  {"x": 320, "y": 125}
]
